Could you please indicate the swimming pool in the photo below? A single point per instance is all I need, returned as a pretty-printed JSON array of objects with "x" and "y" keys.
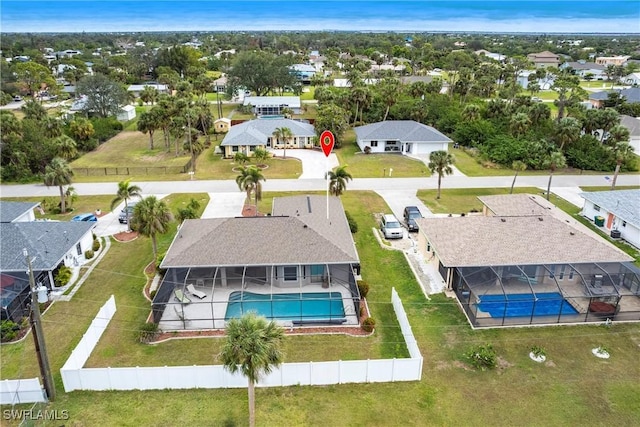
[
  {"x": 525, "y": 305},
  {"x": 317, "y": 307}
]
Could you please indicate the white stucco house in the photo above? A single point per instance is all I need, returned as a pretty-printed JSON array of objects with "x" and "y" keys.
[
  {"x": 272, "y": 105},
  {"x": 400, "y": 136},
  {"x": 126, "y": 113},
  {"x": 618, "y": 210}
]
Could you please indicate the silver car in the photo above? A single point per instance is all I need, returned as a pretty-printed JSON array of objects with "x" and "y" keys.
[{"x": 391, "y": 227}]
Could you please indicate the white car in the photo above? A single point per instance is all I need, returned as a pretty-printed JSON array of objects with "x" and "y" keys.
[{"x": 391, "y": 227}]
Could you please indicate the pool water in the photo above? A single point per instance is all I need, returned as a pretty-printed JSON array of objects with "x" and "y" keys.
[
  {"x": 525, "y": 305},
  {"x": 316, "y": 306}
]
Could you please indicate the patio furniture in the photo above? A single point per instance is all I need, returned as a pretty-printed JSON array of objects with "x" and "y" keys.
[
  {"x": 180, "y": 296},
  {"x": 196, "y": 293}
]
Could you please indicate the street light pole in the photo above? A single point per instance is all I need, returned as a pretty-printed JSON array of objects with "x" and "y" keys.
[{"x": 38, "y": 336}]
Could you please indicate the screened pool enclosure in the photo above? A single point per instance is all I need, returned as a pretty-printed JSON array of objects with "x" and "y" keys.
[
  {"x": 546, "y": 294},
  {"x": 292, "y": 295}
]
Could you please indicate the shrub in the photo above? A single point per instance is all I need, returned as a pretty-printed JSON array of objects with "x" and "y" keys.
[
  {"x": 63, "y": 276},
  {"x": 538, "y": 351},
  {"x": 367, "y": 150},
  {"x": 152, "y": 294},
  {"x": 363, "y": 287},
  {"x": 148, "y": 332},
  {"x": 353, "y": 225},
  {"x": 88, "y": 254},
  {"x": 106, "y": 128},
  {"x": 482, "y": 357},
  {"x": 368, "y": 324},
  {"x": 96, "y": 245},
  {"x": 8, "y": 331}
]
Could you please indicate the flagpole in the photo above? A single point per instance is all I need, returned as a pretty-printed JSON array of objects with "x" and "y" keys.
[{"x": 326, "y": 167}]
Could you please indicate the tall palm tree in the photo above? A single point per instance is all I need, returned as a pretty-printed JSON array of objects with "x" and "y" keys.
[
  {"x": 58, "y": 173},
  {"x": 150, "y": 217},
  {"x": 285, "y": 134},
  {"x": 148, "y": 122},
  {"x": 66, "y": 147},
  {"x": 471, "y": 112},
  {"x": 517, "y": 166},
  {"x": 125, "y": 192},
  {"x": 253, "y": 348},
  {"x": 555, "y": 161},
  {"x": 440, "y": 162},
  {"x": 338, "y": 180},
  {"x": 608, "y": 119},
  {"x": 249, "y": 181},
  {"x": 567, "y": 130},
  {"x": 519, "y": 124},
  {"x": 623, "y": 152}
]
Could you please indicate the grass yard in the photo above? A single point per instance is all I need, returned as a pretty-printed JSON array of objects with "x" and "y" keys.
[
  {"x": 82, "y": 204},
  {"x": 362, "y": 165},
  {"x": 573, "y": 386}
]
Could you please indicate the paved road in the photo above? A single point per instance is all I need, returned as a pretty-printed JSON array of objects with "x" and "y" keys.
[{"x": 375, "y": 184}]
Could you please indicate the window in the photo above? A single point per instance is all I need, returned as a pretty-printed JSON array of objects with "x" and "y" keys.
[
  {"x": 596, "y": 208},
  {"x": 571, "y": 274},
  {"x": 624, "y": 223},
  {"x": 374, "y": 143},
  {"x": 234, "y": 148},
  {"x": 79, "y": 249},
  {"x": 290, "y": 273},
  {"x": 561, "y": 275}
]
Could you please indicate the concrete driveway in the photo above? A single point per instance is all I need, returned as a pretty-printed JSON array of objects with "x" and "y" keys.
[
  {"x": 314, "y": 163},
  {"x": 224, "y": 205}
]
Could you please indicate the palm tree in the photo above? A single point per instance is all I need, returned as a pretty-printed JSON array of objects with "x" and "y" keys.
[
  {"x": 149, "y": 94},
  {"x": 125, "y": 192},
  {"x": 150, "y": 217},
  {"x": 555, "y": 161},
  {"x": 249, "y": 181},
  {"x": 240, "y": 158},
  {"x": 519, "y": 124},
  {"x": 623, "y": 152},
  {"x": 66, "y": 147},
  {"x": 440, "y": 161},
  {"x": 285, "y": 134},
  {"x": 567, "y": 131},
  {"x": 471, "y": 112},
  {"x": 149, "y": 122},
  {"x": 252, "y": 347},
  {"x": 338, "y": 180},
  {"x": 71, "y": 195},
  {"x": 609, "y": 118},
  {"x": 60, "y": 174},
  {"x": 260, "y": 154},
  {"x": 517, "y": 166}
]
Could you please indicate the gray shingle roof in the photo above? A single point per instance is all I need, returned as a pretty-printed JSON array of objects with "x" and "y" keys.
[
  {"x": 631, "y": 123},
  {"x": 631, "y": 95},
  {"x": 585, "y": 66},
  {"x": 269, "y": 240},
  {"x": 625, "y": 204},
  {"x": 256, "y": 132},
  {"x": 47, "y": 241},
  {"x": 9, "y": 211},
  {"x": 516, "y": 205},
  {"x": 494, "y": 240},
  {"x": 258, "y": 101},
  {"x": 399, "y": 130}
]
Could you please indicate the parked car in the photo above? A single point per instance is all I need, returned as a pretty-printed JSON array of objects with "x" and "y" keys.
[
  {"x": 390, "y": 227},
  {"x": 17, "y": 98},
  {"x": 411, "y": 214},
  {"x": 84, "y": 217},
  {"x": 536, "y": 99},
  {"x": 126, "y": 213}
]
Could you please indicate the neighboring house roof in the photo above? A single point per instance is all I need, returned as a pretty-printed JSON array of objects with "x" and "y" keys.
[
  {"x": 266, "y": 101},
  {"x": 303, "y": 68},
  {"x": 414, "y": 79},
  {"x": 516, "y": 205},
  {"x": 528, "y": 240},
  {"x": 631, "y": 95},
  {"x": 544, "y": 56},
  {"x": 264, "y": 240},
  {"x": 139, "y": 88},
  {"x": 223, "y": 119},
  {"x": 47, "y": 243},
  {"x": 585, "y": 66},
  {"x": 256, "y": 132},
  {"x": 625, "y": 204},
  {"x": 631, "y": 123},
  {"x": 399, "y": 130},
  {"x": 10, "y": 211}
]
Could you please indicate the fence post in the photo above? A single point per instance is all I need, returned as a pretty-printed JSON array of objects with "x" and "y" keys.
[
  {"x": 339, "y": 371},
  {"x": 310, "y": 373}
]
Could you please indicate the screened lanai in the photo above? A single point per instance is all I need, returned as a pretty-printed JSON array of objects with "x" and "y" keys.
[
  {"x": 544, "y": 293},
  {"x": 293, "y": 295}
]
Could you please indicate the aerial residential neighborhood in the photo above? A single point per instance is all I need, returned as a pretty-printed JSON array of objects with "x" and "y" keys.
[{"x": 247, "y": 226}]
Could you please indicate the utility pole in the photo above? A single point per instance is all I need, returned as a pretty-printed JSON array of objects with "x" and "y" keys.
[{"x": 38, "y": 336}]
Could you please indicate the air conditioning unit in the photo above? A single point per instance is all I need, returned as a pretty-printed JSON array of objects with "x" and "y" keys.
[{"x": 615, "y": 234}]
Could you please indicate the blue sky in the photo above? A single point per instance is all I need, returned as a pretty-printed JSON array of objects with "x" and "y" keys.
[{"x": 612, "y": 16}]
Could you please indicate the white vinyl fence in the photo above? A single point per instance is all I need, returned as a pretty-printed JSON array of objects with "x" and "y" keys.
[
  {"x": 75, "y": 377},
  {"x": 13, "y": 392}
]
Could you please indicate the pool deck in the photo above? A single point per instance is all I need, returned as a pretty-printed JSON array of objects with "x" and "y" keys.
[{"x": 209, "y": 312}]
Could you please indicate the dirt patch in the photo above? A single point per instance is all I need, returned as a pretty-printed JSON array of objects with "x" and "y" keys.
[
  {"x": 503, "y": 363},
  {"x": 459, "y": 364},
  {"x": 126, "y": 236}
]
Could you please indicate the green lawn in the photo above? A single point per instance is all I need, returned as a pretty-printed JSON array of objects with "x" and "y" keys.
[
  {"x": 82, "y": 204},
  {"x": 573, "y": 386},
  {"x": 362, "y": 165}
]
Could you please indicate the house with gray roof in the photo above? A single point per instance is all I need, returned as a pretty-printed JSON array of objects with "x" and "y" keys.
[
  {"x": 247, "y": 136},
  {"x": 295, "y": 254},
  {"x": 272, "y": 105},
  {"x": 584, "y": 68},
  {"x": 619, "y": 210},
  {"x": 526, "y": 262},
  {"x": 631, "y": 96},
  {"x": 49, "y": 244},
  {"x": 400, "y": 136}
]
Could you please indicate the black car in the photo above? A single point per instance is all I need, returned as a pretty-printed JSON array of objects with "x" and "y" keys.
[{"x": 411, "y": 214}]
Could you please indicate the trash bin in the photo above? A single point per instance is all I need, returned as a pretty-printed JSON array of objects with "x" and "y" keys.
[{"x": 599, "y": 220}]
